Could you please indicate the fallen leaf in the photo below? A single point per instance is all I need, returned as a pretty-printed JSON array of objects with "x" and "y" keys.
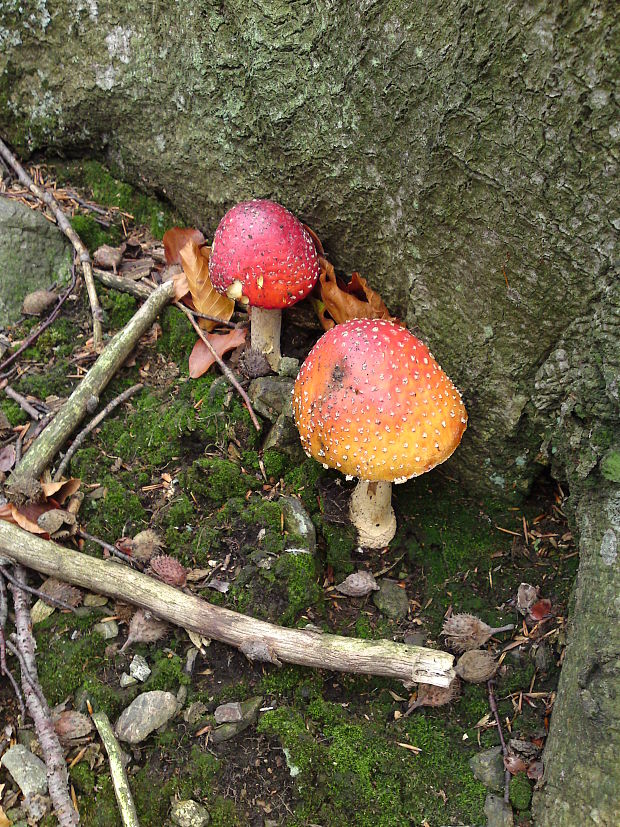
[
  {"x": 195, "y": 261},
  {"x": 40, "y": 612},
  {"x": 7, "y": 457},
  {"x": 514, "y": 763},
  {"x": 25, "y": 516},
  {"x": 221, "y": 586},
  {"x": 358, "y": 584},
  {"x": 429, "y": 695},
  {"x": 199, "y": 641},
  {"x": 526, "y": 597},
  {"x": 144, "y": 545},
  {"x": 176, "y": 238},
  {"x": 62, "y": 591},
  {"x": 341, "y": 302},
  {"x": 540, "y": 610},
  {"x": 72, "y": 726},
  {"x": 61, "y": 489},
  {"x": 4, "y": 819},
  {"x": 201, "y": 358}
]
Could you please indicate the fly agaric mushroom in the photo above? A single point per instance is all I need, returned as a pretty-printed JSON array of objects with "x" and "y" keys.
[
  {"x": 371, "y": 401},
  {"x": 263, "y": 256}
]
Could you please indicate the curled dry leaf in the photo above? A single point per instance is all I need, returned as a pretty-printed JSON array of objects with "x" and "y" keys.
[
  {"x": 37, "y": 303},
  {"x": 358, "y": 584},
  {"x": 176, "y": 238},
  {"x": 465, "y": 631},
  {"x": 429, "y": 695},
  {"x": 169, "y": 570},
  {"x": 526, "y": 597},
  {"x": 107, "y": 257},
  {"x": 7, "y": 457},
  {"x": 145, "y": 628},
  {"x": 26, "y": 515},
  {"x": 201, "y": 358},
  {"x": 195, "y": 261},
  {"x": 72, "y": 726},
  {"x": 514, "y": 763},
  {"x": 540, "y": 610},
  {"x": 340, "y": 302},
  {"x": 476, "y": 666},
  {"x": 62, "y": 489}
]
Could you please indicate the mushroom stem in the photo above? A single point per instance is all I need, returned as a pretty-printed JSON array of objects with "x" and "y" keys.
[
  {"x": 371, "y": 513},
  {"x": 265, "y": 334}
]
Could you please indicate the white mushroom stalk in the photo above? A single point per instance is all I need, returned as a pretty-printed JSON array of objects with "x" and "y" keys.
[
  {"x": 265, "y": 334},
  {"x": 371, "y": 512}
]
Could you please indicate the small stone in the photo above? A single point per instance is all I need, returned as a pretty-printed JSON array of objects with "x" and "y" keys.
[
  {"x": 391, "y": 600},
  {"x": 30, "y": 775},
  {"x": 108, "y": 629},
  {"x": 139, "y": 668},
  {"x": 249, "y": 713},
  {"x": 297, "y": 521},
  {"x": 289, "y": 366},
  {"x": 228, "y": 713},
  {"x": 194, "y": 712},
  {"x": 145, "y": 714},
  {"x": 188, "y": 813},
  {"x": 127, "y": 680},
  {"x": 271, "y": 396},
  {"x": 181, "y": 696},
  {"x": 91, "y": 599},
  {"x": 498, "y": 812},
  {"x": 283, "y": 436},
  {"x": 488, "y": 767}
]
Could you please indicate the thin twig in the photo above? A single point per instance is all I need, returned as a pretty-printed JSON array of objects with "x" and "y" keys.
[
  {"x": 4, "y": 669},
  {"x": 122, "y": 397},
  {"x": 23, "y": 403},
  {"x": 57, "y": 776},
  {"x": 120, "y": 783},
  {"x": 223, "y": 366},
  {"x": 10, "y": 645},
  {"x": 197, "y": 315},
  {"x": 39, "y": 330},
  {"x": 36, "y": 592},
  {"x": 108, "y": 547},
  {"x": 65, "y": 226},
  {"x": 494, "y": 710}
]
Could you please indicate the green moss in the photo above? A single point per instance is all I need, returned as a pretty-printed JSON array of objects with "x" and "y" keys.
[
  {"x": 520, "y": 792},
  {"x": 58, "y": 339},
  {"x": 92, "y": 234},
  {"x": 167, "y": 673},
  {"x": 517, "y": 678},
  {"x": 275, "y": 463},
  {"x": 62, "y": 669},
  {"x": 52, "y": 382},
  {"x": 107, "y": 517},
  {"x": 610, "y": 466},
  {"x": 303, "y": 480},
  {"x": 178, "y": 337},
  {"x": 340, "y": 544},
  {"x": 218, "y": 479},
  {"x": 99, "y": 809},
  {"x": 297, "y": 572},
  {"x": 119, "y": 307},
  {"x": 13, "y": 412},
  {"x": 83, "y": 778}
]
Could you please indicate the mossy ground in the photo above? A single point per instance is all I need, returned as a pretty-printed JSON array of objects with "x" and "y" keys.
[{"x": 183, "y": 458}]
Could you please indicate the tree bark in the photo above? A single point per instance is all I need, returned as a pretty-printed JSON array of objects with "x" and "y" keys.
[{"x": 255, "y": 638}]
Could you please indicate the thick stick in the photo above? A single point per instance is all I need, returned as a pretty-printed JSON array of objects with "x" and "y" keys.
[
  {"x": 264, "y": 641},
  {"x": 65, "y": 226},
  {"x": 24, "y": 481},
  {"x": 126, "y": 806}
]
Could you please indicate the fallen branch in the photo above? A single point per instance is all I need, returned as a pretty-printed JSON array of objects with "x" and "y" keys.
[
  {"x": 65, "y": 226},
  {"x": 120, "y": 783},
  {"x": 43, "y": 326},
  {"x": 23, "y": 403},
  {"x": 257, "y": 639},
  {"x": 118, "y": 400},
  {"x": 57, "y": 777},
  {"x": 24, "y": 481},
  {"x": 222, "y": 364}
]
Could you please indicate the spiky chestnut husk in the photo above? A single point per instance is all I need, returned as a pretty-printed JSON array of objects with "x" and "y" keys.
[
  {"x": 476, "y": 666},
  {"x": 429, "y": 695},
  {"x": 465, "y": 631}
]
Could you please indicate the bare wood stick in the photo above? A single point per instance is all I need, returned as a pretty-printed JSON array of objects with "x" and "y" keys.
[
  {"x": 53, "y": 601},
  {"x": 24, "y": 481},
  {"x": 118, "y": 400},
  {"x": 57, "y": 776},
  {"x": 108, "y": 547},
  {"x": 222, "y": 364},
  {"x": 39, "y": 330},
  {"x": 120, "y": 783},
  {"x": 257, "y": 639},
  {"x": 23, "y": 403},
  {"x": 4, "y": 669},
  {"x": 65, "y": 226},
  {"x": 495, "y": 711}
]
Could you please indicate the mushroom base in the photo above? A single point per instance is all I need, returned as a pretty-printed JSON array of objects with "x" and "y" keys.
[
  {"x": 371, "y": 512},
  {"x": 265, "y": 334}
]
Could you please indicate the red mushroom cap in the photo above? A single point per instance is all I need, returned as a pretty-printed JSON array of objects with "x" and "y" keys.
[
  {"x": 267, "y": 251},
  {"x": 371, "y": 401}
]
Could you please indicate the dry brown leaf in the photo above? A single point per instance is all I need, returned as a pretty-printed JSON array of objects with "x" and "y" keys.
[
  {"x": 62, "y": 591},
  {"x": 514, "y": 763},
  {"x": 61, "y": 489},
  {"x": 176, "y": 238},
  {"x": 201, "y": 358},
  {"x": 540, "y": 610},
  {"x": 25, "y": 516},
  {"x": 181, "y": 286},
  {"x": 72, "y": 726},
  {"x": 7, "y": 457},
  {"x": 4, "y": 819},
  {"x": 358, "y": 584},
  {"x": 195, "y": 261},
  {"x": 527, "y": 595},
  {"x": 144, "y": 545},
  {"x": 342, "y": 302}
]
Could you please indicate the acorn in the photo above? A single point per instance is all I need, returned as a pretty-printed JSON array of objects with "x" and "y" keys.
[{"x": 476, "y": 666}]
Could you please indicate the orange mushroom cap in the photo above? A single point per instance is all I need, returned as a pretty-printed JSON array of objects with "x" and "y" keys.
[{"x": 371, "y": 400}]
